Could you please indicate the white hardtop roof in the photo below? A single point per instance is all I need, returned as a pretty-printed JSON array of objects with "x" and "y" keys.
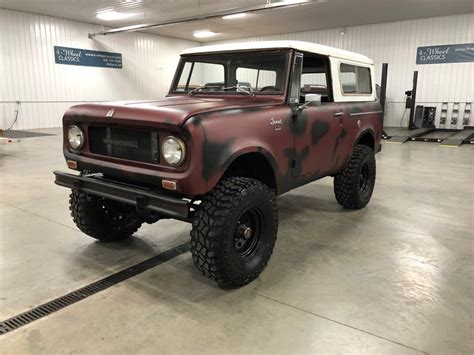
[{"x": 298, "y": 45}]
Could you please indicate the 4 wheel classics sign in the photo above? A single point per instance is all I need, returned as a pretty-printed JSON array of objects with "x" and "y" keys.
[
  {"x": 451, "y": 53},
  {"x": 87, "y": 57}
]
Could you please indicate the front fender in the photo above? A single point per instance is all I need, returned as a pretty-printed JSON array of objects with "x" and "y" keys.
[
  {"x": 227, "y": 157},
  {"x": 218, "y": 139}
]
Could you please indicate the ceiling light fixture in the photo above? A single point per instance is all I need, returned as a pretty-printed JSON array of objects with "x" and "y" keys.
[
  {"x": 234, "y": 16},
  {"x": 269, "y": 5},
  {"x": 203, "y": 34},
  {"x": 111, "y": 15}
]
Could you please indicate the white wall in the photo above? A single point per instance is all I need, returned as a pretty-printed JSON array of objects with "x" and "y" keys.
[
  {"x": 29, "y": 74},
  {"x": 396, "y": 44}
]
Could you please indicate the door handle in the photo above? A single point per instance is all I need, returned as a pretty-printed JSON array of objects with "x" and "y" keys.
[{"x": 337, "y": 114}]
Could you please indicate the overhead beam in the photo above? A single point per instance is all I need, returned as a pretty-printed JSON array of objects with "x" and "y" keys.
[{"x": 268, "y": 6}]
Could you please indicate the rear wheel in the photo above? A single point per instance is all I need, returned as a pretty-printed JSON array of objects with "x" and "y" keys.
[
  {"x": 234, "y": 232},
  {"x": 102, "y": 218},
  {"x": 354, "y": 185}
]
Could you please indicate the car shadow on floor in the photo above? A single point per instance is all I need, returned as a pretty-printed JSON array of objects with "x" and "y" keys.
[{"x": 98, "y": 256}]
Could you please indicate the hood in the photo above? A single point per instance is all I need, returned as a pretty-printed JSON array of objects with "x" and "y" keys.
[{"x": 173, "y": 110}]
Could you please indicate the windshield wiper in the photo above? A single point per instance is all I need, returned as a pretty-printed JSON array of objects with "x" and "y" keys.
[
  {"x": 195, "y": 90},
  {"x": 236, "y": 88},
  {"x": 239, "y": 89}
]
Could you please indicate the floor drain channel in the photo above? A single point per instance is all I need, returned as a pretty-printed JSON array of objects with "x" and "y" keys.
[{"x": 45, "y": 309}]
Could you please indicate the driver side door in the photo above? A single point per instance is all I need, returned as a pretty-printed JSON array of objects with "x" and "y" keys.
[{"x": 317, "y": 127}]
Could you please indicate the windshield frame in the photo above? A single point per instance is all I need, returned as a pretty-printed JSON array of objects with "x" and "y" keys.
[{"x": 185, "y": 58}]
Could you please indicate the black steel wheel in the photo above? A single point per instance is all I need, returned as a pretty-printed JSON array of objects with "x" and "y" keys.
[
  {"x": 248, "y": 231},
  {"x": 234, "y": 231},
  {"x": 354, "y": 185}
]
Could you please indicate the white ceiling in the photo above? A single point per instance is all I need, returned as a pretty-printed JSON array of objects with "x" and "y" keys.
[{"x": 330, "y": 14}]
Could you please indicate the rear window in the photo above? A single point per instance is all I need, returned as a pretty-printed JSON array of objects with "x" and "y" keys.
[
  {"x": 256, "y": 79},
  {"x": 355, "y": 80}
]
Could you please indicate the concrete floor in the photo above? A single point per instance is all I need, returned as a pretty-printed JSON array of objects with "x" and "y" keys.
[{"x": 396, "y": 277}]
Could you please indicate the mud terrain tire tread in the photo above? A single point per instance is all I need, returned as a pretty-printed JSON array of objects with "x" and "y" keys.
[
  {"x": 346, "y": 182},
  {"x": 214, "y": 225},
  {"x": 89, "y": 219}
]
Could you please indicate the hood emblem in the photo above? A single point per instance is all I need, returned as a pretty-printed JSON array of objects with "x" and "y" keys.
[{"x": 110, "y": 113}]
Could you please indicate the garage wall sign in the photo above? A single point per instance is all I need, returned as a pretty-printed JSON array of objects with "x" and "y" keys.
[
  {"x": 451, "y": 53},
  {"x": 87, "y": 57}
]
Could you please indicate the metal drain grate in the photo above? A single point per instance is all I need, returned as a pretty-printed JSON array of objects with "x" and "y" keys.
[{"x": 45, "y": 309}]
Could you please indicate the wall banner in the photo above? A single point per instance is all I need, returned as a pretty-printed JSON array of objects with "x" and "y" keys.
[
  {"x": 451, "y": 53},
  {"x": 87, "y": 57}
]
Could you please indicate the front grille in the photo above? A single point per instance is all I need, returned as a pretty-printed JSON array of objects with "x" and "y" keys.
[{"x": 124, "y": 143}]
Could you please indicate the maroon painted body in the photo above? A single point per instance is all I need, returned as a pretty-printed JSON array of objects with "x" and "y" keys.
[
  {"x": 292, "y": 146},
  {"x": 305, "y": 146}
]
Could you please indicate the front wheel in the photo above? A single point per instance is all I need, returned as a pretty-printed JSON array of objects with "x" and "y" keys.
[
  {"x": 234, "y": 231},
  {"x": 101, "y": 218},
  {"x": 354, "y": 185}
]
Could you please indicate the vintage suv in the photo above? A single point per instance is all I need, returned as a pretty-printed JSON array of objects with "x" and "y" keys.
[{"x": 242, "y": 123}]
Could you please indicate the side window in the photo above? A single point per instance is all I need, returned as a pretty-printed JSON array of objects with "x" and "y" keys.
[
  {"x": 317, "y": 79},
  {"x": 314, "y": 79},
  {"x": 355, "y": 80},
  {"x": 256, "y": 79}
]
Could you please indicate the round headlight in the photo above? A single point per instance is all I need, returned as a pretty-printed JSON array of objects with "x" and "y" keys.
[
  {"x": 75, "y": 137},
  {"x": 173, "y": 150}
]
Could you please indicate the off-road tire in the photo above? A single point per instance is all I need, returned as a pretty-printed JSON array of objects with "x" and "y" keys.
[
  {"x": 101, "y": 218},
  {"x": 213, "y": 235},
  {"x": 350, "y": 189}
]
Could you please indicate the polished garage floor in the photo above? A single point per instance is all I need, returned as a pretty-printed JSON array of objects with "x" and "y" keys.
[{"x": 396, "y": 277}]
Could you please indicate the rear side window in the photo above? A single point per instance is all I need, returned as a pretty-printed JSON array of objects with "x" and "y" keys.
[{"x": 355, "y": 80}]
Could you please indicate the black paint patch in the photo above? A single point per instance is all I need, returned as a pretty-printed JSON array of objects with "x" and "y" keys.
[
  {"x": 291, "y": 155},
  {"x": 214, "y": 155},
  {"x": 319, "y": 130},
  {"x": 301, "y": 122},
  {"x": 195, "y": 120}
]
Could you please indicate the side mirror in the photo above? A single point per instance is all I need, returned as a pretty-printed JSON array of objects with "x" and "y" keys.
[{"x": 311, "y": 99}]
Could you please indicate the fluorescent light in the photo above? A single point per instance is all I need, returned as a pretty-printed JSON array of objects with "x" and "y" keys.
[
  {"x": 111, "y": 15},
  {"x": 203, "y": 34},
  {"x": 234, "y": 16}
]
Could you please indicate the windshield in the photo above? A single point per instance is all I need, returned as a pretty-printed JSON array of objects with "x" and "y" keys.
[{"x": 255, "y": 73}]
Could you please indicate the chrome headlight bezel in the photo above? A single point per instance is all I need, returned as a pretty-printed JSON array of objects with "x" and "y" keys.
[
  {"x": 170, "y": 156},
  {"x": 79, "y": 136}
]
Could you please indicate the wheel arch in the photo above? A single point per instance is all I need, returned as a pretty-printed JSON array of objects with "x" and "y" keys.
[
  {"x": 255, "y": 163},
  {"x": 367, "y": 138}
]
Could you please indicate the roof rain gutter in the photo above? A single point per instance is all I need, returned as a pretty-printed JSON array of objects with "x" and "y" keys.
[{"x": 268, "y": 6}]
